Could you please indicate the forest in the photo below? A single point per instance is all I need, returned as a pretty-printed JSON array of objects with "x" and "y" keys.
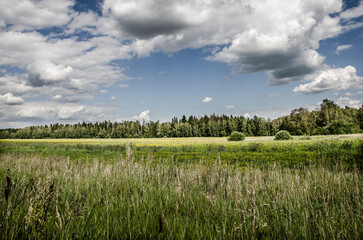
[{"x": 328, "y": 119}]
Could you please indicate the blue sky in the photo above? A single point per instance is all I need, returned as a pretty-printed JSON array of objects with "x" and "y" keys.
[{"x": 71, "y": 61}]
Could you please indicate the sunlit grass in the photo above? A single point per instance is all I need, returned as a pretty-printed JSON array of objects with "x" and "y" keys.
[
  {"x": 54, "y": 198},
  {"x": 179, "y": 141},
  {"x": 182, "y": 188}
]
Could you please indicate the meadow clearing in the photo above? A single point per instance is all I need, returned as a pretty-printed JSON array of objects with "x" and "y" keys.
[{"x": 186, "y": 188}]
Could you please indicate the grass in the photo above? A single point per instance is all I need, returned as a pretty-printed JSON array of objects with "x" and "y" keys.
[
  {"x": 296, "y": 153},
  {"x": 175, "y": 141},
  {"x": 307, "y": 189}
]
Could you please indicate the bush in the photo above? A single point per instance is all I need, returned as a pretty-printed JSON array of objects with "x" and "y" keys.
[
  {"x": 283, "y": 135},
  {"x": 305, "y": 137},
  {"x": 236, "y": 136}
]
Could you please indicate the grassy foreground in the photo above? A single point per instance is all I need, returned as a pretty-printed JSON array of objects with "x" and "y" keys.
[{"x": 155, "y": 192}]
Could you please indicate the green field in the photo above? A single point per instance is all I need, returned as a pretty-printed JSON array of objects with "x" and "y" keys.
[
  {"x": 188, "y": 188},
  {"x": 175, "y": 141}
]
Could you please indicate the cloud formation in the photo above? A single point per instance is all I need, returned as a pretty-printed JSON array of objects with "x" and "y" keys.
[
  {"x": 10, "y": 99},
  {"x": 146, "y": 19},
  {"x": 347, "y": 101},
  {"x": 46, "y": 73},
  {"x": 331, "y": 79},
  {"x": 342, "y": 48},
  {"x": 207, "y": 99},
  {"x": 144, "y": 115},
  {"x": 35, "y": 14},
  {"x": 68, "y": 56}
]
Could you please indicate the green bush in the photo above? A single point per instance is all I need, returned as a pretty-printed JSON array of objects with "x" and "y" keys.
[
  {"x": 236, "y": 136},
  {"x": 305, "y": 137},
  {"x": 283, "y": 135}
]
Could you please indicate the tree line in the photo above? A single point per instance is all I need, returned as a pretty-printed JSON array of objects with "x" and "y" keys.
[{"x": 328, "y": 119}]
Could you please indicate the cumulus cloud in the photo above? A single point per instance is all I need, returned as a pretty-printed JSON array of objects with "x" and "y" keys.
[
  {"x": 230, "y": 106},
  {"x": 331, "y": 79},
  {"x": 286, "y": 47},
  {"x": 146, "y": 19},
  {"x": 46, "y": 73},
  {"x": 35, "y": 14},
  {"x": 113, "y": 98},
  {"x": 207, "y": 99},
  {"x": 57, "y": 97},
  {"x": 246, "y": 115},
  {"x": 17, "y": 85},
  {"x": 342, "y": 48},
  {"x": 143, "y": 116},
  {"x": 10, "y": 99},
  {"x": 70, "y": 112},
  {"x": 350, "y": 102},
  {"x": 68, "y": 56},
  {"x": 36, "y": 111}
]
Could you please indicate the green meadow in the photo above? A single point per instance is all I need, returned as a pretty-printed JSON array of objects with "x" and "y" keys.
[{"x": 182, "y": 188}]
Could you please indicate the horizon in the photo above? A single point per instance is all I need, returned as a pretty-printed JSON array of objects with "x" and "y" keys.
[{"x": 74, "y": 61}]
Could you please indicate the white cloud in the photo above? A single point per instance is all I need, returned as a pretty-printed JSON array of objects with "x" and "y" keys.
[
  {"x": 57, "y": 97},
  {"x": 230, "y": 106},
  {"x": 70, "y": 112},
  {"x": 280, "y": 37},
  {"x": 37, "y": 112},
  {"x": 113, "y": 98},
  {"x": 84, "y": 21},
  {"x": 17, "y": 85},
  {"x": 207, "y": 99},
  {"x": 353, "y": 12},
  {"x": 27, "y": 14},
  {"x": 34, "y": 112},
  {"x": 143, "y": 116},
  {"x": 346, "y": 101},
  {"x": 147, "y": 19},
  {"x": 10, "y": 99},
  {"x": 286, "y": 46},
  {"x": 45, "y": 73},
  {"x": 331, "y": 79},
  {"x": 342, "y": 48},
  {"x": 247, "y": 115}
]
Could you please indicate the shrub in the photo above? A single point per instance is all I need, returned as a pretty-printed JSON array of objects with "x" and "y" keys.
[
  {"x": 236, "y": 136},
  {"x": 305, "y": 137},
  {"x": 283, "y": 135}
]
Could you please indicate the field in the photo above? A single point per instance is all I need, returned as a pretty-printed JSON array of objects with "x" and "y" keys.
[{"x": 188, "y": 188}]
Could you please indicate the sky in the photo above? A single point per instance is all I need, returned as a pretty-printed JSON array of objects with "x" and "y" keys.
[{"x": 69, "y": 61}]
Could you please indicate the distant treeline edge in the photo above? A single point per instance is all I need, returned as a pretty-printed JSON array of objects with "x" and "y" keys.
[{"x": 329, "y": 119}]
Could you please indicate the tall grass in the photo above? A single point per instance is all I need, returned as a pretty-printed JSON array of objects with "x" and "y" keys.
[
  {"x": 130, "y": 198},
  {"x": 258, "y": 154}
]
